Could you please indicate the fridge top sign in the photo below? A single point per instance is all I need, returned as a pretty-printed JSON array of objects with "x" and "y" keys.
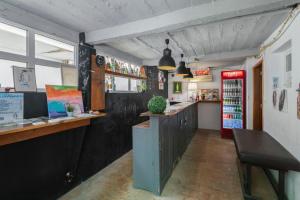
[{"x": 233, "y": 74}]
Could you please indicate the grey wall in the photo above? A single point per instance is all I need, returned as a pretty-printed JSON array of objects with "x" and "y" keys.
[{"x": 209, "y": 116}]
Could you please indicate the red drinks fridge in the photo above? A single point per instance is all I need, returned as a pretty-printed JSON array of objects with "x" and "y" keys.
[{"x": 233, "y": 101}]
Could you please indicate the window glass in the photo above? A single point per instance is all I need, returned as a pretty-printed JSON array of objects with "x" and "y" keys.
[
  {"x": 49, "y": 49},
  {"x": 70, "y": 76},
  {"x": 47, "y": 75},
  {"x": 6, "y": 72},
  {"x": 134, "y": 85},
  {"x": 121, "y": 84},
  {"x": 12, "y": 39}
]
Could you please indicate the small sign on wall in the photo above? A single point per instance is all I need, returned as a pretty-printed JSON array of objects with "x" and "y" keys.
[
  {"x": 24, "y": 79},
  {"x": 298, "y": 102},
  {"x": 161, "y": 80},
  {"x": 177, "y": 87},
  {"x": 275, "y": 82}
]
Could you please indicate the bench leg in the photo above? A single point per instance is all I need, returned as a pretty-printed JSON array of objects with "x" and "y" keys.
[
  {"x": 248, "y": 179},
  {"x": 281, "y": 185}
]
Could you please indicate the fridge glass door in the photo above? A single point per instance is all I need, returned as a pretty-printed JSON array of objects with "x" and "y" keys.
[{"x": 232, "y": 103}]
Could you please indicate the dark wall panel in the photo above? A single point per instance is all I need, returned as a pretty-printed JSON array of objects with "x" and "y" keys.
[
  {"x": 36, "y": 169},
  {"x": 111, "y": 137}
]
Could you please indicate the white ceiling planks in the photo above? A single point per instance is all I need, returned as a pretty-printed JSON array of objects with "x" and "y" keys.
[
  {"x": 197, "y": 28},
  {"x": 197, "y": 41},
  {"x": 88, "y": 15},
  {"x": 136, "y": 48}
]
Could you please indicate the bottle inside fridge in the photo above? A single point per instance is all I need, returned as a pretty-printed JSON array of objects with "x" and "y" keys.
[{"x": 233, "y": 103}]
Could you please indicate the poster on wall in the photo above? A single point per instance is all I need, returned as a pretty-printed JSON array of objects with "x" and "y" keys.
[
  {"x": 58, "y": 97},
  {"x": 11, "y": 107},
  {"x": 209, "y": 94},
  {"x": 24, "y": 79},
  {"x": 275, "y": 82},
  {"x": 177, "y": 87},
  {"x": 283, "y": 101},
  {"x": 161, "y": 80},
  {"x": 298, "y": 102},
  {"x": 275, "y": 85}
]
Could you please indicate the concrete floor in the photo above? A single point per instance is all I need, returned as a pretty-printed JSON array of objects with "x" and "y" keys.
[{"x": 207, "y": 171}]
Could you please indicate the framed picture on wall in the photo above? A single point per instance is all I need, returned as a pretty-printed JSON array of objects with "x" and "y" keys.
[
  {"x": 24, "y": 79},
  {"x": 177, "y": 87}
]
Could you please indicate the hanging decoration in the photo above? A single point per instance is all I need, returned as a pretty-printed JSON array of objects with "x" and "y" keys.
[{"x": 283, "y": 102}]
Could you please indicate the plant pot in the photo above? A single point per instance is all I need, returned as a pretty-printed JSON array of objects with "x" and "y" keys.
[{"x": 70, "y": 114}]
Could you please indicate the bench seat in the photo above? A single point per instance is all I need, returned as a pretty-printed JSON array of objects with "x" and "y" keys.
[{"x": 259, "y": 148}]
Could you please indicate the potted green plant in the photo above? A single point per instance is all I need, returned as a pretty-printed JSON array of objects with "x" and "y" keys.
[
  {"x": 157, "y": 104},
  {"x": 70, "y": 110}
]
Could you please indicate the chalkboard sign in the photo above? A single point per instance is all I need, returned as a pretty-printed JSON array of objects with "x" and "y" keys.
[{"x": 84, "y": 74}]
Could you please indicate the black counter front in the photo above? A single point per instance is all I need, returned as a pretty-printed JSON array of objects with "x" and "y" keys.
[{"x": 46, "y": 167}]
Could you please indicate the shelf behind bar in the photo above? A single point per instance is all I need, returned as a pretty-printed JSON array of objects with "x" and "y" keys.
[{"x": 124, "y": 75}]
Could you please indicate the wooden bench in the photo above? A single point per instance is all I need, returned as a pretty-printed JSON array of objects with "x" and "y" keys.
[{"x": 258, "y": 148}]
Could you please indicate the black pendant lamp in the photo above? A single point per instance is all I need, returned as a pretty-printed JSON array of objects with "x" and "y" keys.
[
  {"x": 190, "y": 74},
  {"x": 167, "y": 62},
  {"x": 181, "y": 69}
]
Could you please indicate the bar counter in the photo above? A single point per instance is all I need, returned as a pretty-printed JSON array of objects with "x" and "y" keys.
[
  {"x": 174, "y": 109},
  {"x": 159, "y": 143},
  {"x": 18, "y": 133}
]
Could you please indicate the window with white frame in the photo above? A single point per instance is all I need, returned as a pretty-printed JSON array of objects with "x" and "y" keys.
[
  {"x": 47, "y": 76},
  {"x": 12, "y": 39},
  {"x": 50, "y": 55},
  {"x": 53, "y": 50},
  {"x": 134, "y": 85},
  {"x": 121, "y": 84},
  {"x": 6, "y": 72}
]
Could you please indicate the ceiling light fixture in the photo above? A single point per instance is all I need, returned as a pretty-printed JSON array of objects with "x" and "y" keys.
[
  {"x": 181, "y": 69},
  {"x": 167, "y": 62},
  {"x": 190, "y": 74}
]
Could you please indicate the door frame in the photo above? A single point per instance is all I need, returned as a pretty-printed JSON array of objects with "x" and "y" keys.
[{"x": 255, "y": 107}]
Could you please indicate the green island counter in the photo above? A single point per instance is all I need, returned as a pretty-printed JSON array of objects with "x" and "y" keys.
[{"x": 159, "y": 143}]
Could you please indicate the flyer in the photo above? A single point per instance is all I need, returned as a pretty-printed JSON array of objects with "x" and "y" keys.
[{"x": 11, "y": 107}]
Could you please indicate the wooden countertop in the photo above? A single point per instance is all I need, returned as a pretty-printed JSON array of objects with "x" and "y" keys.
[
  {"x": 145, "y": 124},
  {"x": 209, "y": 101},
  {"x": 18, "y": 133},
  {"x": 174, "y": 110}
]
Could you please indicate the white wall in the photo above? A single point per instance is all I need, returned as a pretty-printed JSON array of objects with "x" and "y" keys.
[
  {"x": 284, "y": 127},
  {"x": 209, "y": 116},
  {"x": 249, "y": 64}
]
